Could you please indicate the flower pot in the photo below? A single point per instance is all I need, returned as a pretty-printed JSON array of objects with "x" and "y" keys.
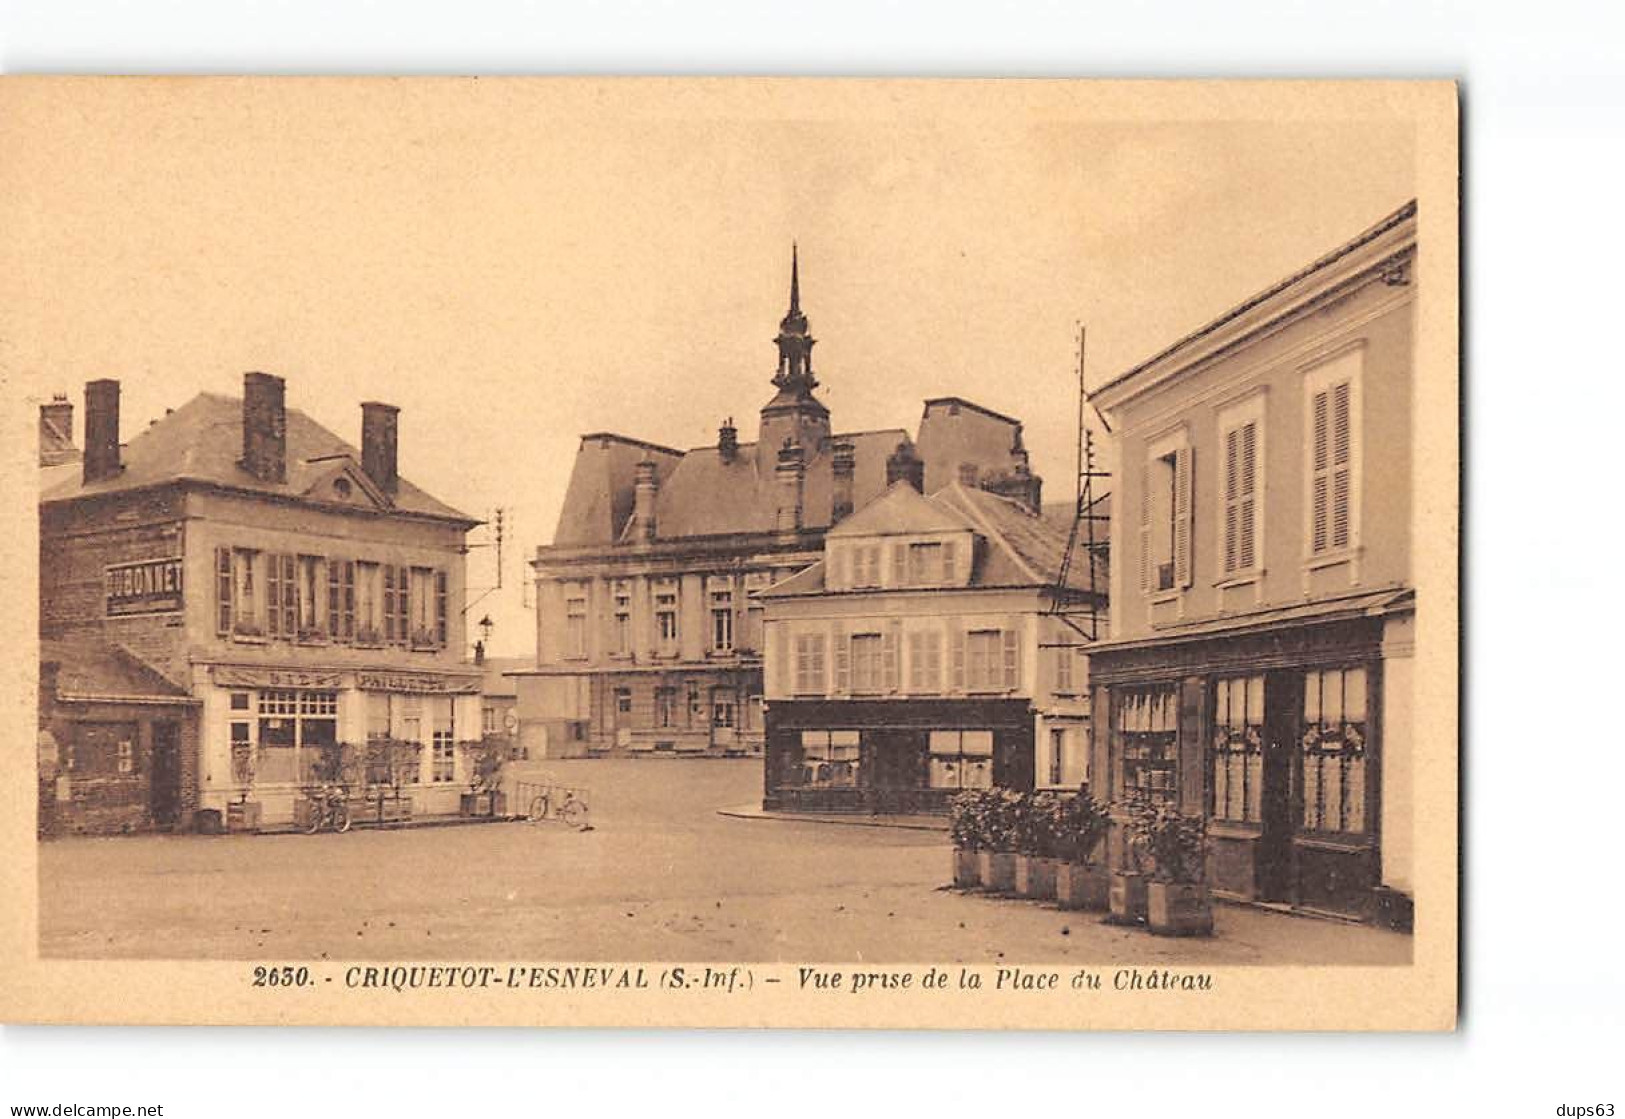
[
  {"x": 1126, "y": 897},
  {"x": 385, "y": 809},
  {"x": 483, "y": 804},
  {"x": 967, "y": 869},
  {"x": 1035, "y": 877},
  {"x": 998, "y": 871},
  {"x": 1179, "y": 909},
  {"x": 1082, "y": 886},
  {"x": 243, "y": 816}
]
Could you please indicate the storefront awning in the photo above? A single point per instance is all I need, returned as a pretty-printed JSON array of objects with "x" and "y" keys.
[{"x": 1369, "y": 604}]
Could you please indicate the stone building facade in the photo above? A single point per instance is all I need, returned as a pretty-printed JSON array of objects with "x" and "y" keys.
[
  {"x": 649, "y": 621},
  {"x": 294, "y": 593}
]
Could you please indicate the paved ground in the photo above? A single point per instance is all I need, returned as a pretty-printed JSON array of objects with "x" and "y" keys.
[{"x": 662, "y": 876}]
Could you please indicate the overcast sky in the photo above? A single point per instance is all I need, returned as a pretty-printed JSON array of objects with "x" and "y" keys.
[{"x": 514, "y": 265}]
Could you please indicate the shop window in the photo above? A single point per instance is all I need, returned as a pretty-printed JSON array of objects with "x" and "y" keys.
[
  {"x": 443, "y": 767},
  {"x": 829, "y": 759},
  {"x": 1237, "y": 757},
  {"x": 1147, "y": 728},
  {"x": 961, "y": 759},
  {"x": 1334, "y": 751}
]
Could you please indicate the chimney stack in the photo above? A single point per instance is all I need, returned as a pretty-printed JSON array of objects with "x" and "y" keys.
[
  {"x": 646, "y": 487},
  {"x": 265, "y": 427},
  {"x": 728, "y": 440},
  {"x": 904, "y": 465},
  {"x": 791, "y": 476},
  {"x": 380, "y": 443},
  {"x": 101, "y": 430},
  {"x": 843, "y": 465},
  {"x": 56, "y": 432},
  {"x": 1020, "y": 485}
]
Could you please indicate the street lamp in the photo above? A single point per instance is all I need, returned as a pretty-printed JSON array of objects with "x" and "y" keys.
[{"x": 486, "y": 626}]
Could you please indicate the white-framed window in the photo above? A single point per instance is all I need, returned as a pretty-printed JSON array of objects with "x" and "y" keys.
[
  {"x": 368, "y": 595},
  {"x": 865, "y": 559},
  {"x": 925, "y": 562},
  {"x": 925, "y": 661},
  {"x": 722, "y": 621},
  {"x": 575, "y": 622},
  {"x": 961, "y": 759},
  {"x": 867, "y": 669},
  {"x": 1241, "y": 516},
  {"x": 444, "y": 768},
  {"x": 810, "y": 677},
  {"x": 1165, "y": 514},
  {"x": 666, "y": 632},
  {"x": 1236, "y": 761},
  {"x": 1332, "y": 454},
  {"x": 1335, "y": 749},
  {"x": 1065, "y": 657}
]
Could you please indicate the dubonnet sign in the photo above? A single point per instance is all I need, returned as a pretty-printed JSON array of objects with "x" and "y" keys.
[{"x": 146, "y": 587}]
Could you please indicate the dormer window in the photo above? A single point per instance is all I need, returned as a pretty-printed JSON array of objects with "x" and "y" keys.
[{"x": 342, "y": 487}]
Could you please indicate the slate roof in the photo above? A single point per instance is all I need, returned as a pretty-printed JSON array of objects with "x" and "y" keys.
[
  {"x": 1021, "y": 548},
  {"x": 202, "y": 440},
  {"x": 705, "y": 496},
  {"x": 90, "y": 670}
]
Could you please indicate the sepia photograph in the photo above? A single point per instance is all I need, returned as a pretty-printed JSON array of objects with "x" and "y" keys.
[{"x": 694, "y": 547}]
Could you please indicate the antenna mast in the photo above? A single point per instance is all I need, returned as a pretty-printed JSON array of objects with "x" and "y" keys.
[{"x": 1084, "y": 519}]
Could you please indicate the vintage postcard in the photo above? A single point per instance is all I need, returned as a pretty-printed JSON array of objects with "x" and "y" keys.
[{"x": 702, "y": 552}]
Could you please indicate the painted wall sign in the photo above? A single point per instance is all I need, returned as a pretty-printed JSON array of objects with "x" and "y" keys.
[
  {"x": 228, "y": 677},
  {"x": 146, "y": 587},
  {"x": 415, "y": 682}
]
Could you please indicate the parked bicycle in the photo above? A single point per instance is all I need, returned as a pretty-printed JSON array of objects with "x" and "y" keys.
[
  {"x": 559, "y": 802},
  {"x": 330, "y": 809}
]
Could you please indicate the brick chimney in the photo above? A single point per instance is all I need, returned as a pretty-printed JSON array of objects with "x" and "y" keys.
[
  {"x": 645, "y": 488},
  {"x": 843, "y": 465},
  {"x": 1020, "y": 485},
  {"x": 791, "y": 476},
  {"x": 56, "y": 432},
  {"x": 101, "y": 430},
  {"x": 904, "y": 465},
  {"x": 265, "y": 427},
  {"x": 380, "y": 442},
  {"x": 728, "y": 440}
]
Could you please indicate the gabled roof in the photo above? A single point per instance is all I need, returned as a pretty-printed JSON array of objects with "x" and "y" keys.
[
  {"x": 201, "y": 441},
  {"x": 899, "y": 510},
  {"x": 90, "y": 670}
]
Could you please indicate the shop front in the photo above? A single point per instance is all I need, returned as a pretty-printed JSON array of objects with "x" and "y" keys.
[
  {"x": 1277, "y": 736},
  {"x": 272, "y": 735},
  {"x": 903, "y": 756}
]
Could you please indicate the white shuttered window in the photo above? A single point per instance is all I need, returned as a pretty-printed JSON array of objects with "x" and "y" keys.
[{"x": 1332, "y": 395}]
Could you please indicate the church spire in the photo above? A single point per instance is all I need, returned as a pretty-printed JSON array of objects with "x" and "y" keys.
[
  {"x": 795, "y": 281},
  {"x": 795, "y": 375}
]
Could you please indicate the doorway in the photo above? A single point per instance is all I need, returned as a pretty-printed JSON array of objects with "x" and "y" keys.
[
  {"x": 165, "y": 789},
  {"x": 1283, "y": 696}
]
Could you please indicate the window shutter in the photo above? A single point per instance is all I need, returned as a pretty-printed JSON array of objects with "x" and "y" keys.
[
  {"x": 273, "y": 593},
  {"x": 843, "y": 660},
  {"x": 950, "y": 563},
  {"x": 1232, "y": 486},
  {"x": 1145, "y": 527},
  {"x": 222, "y": 585},
  {"x": 899, "y": 565},
  {"x": 956, "y": 654},
  {"x": 890, "y": 668},
  {"x": 779, "y": 654},
  {"x": 440, "y": 608},
  {"x": 1319, "y": 461},
  {"x": 1012, "y": 654},
  {"x": 916, "y": 661},
  {"x": 1182, "y": 517},
  {"x": 1342, "y": 455},
  {"x": 1246, "y": 496}
]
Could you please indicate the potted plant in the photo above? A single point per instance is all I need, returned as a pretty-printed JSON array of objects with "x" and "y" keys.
[
  {"x": 1080, "y": 881},
  {"x": 1001, "y": 809},
  {"x": 331, "y": 767},
  {"x": 1179, "y": 902},
  {"x": 1037, "y": 837},
  {"x": 965, "y": 812},
  {"x": 242, "y": 814},
  {"x": 486, "y": 758},
  {"x": 1127, "y": 898}
]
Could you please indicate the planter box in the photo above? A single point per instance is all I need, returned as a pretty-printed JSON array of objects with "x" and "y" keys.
[
  {"x": 1082, "y": 886},
  {"x": 1035, "y": 877},
  {"x": 1127, "y": 897},
  {"x": 381, "y": 810},
  {"x": 967, "y": 869},
  {"x": 484, "y": 804},
  {"x": 243, "y": 816},
  {"x": 998, "y": 870},
  {"x": 1178, "y": 909}
]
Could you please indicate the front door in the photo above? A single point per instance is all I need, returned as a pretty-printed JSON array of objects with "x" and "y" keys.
[
  {"x": 165, "y": 790},
  {"x": 1283, "y": 696}
]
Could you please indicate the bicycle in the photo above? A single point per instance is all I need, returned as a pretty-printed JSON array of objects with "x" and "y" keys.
[
  {"x": 558, "y": 803},
  {"x": 330, "y": 809}
]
